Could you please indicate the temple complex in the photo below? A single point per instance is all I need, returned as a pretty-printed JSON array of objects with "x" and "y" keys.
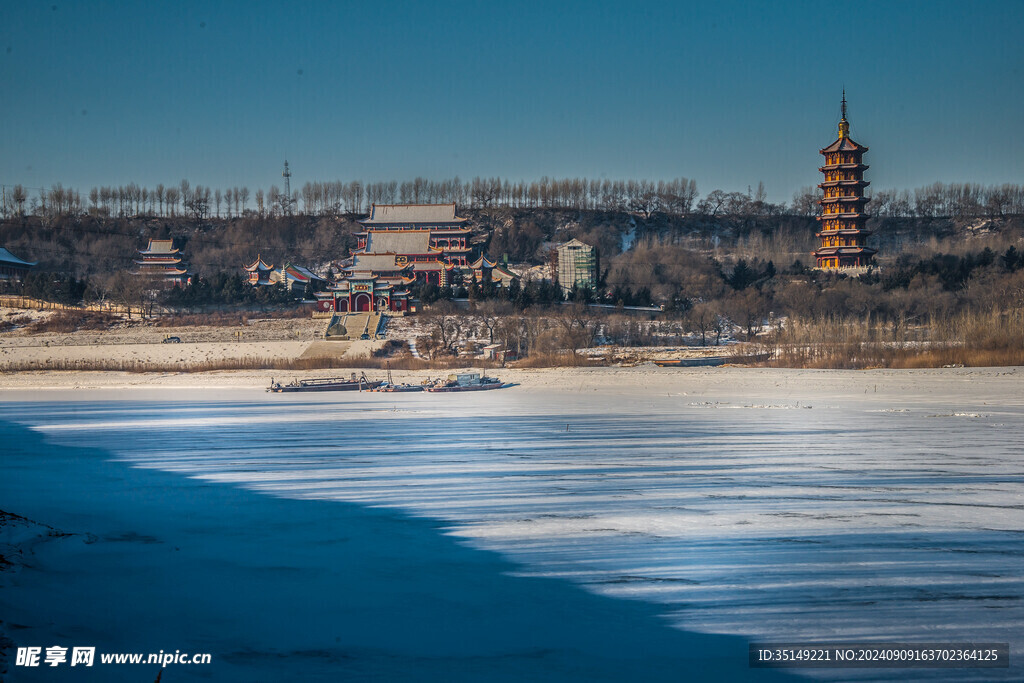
[
  {"x": 427, "y": 237},
  {"x": 162, "y": 261},
  {"x": 401, "y": 244},
  {"x": 843, "y": 231}
]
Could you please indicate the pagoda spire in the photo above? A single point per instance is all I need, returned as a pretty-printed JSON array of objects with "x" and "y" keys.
[{"x": 844, "y": 125}]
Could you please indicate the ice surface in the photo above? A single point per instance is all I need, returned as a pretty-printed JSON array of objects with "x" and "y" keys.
[{"x": 894, "y": 517}]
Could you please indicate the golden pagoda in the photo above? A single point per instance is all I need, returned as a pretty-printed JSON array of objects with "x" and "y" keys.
[{"x": 842, "y": 208}]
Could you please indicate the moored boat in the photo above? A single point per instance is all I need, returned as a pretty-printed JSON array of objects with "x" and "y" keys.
[
  {"x": 470, "y": 381},
  {"x": 711, "y": 361},
  {"x": 390, "y": 388},
  {"x": 354, "y": 383}
]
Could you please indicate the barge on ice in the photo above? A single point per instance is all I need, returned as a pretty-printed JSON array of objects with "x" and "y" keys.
[
  {"x": 354, "y": 383},
  {"x": 470, "y": 381}
]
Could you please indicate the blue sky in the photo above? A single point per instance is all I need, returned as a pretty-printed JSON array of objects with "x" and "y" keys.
[{"x": 730, "y": 94}]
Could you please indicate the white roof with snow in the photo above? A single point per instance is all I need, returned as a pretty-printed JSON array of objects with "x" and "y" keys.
[{"x": 404, "y": 214}]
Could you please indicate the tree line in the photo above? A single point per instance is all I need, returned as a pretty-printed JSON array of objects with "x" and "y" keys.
[
  {"x": 643, "y": 197},
  {"x": 938, "y": 200}
]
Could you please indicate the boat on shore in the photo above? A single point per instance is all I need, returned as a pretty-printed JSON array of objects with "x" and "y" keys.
[
  {"x": 353, "y": 383},
  {"x": 470, "y": 381},
  {"x": 392, "y": 388},
  {"x": 711, "y": 361}
]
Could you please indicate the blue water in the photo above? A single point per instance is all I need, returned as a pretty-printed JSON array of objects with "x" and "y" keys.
[
  {"x": 279, "y": 589},
  {"x": 518, "y": 535}
]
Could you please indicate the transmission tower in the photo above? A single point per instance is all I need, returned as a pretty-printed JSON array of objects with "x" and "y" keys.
[{"x": 287, "y": 202}]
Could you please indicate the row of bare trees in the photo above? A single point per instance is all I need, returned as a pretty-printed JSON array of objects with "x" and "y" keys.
[
  {"x": 673, "y": 196},
  {"x": 345, "y": 198},
  {"x": 644, "y": 197},
  {"x": 938, "y": 200}
]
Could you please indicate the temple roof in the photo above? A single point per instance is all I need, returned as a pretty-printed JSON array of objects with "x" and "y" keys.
[
  {"x": 843, "y": 251},
  {"x": 159, "y": 247},
  {"x": 298, "y": 273},
  {"x": 162, "y": 271},
  {"x": 432, "y": 265},
  {"x": 159, "y": 261},
  {"x": 258, "y": 264},
  {"x": 412, "y": 213},
  {"x": 482, "y": 262},
  {"x": 369, "y": 262},
  {"x": 10, "y": 259},
  {"x": 384, "y": 242},
  {"x": 844, "y": 144}
]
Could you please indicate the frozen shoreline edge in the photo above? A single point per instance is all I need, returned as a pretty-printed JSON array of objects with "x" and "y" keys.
[{"x": 574, "y": 379}]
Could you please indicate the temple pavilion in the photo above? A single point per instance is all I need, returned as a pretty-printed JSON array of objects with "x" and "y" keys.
[
  {"x": 426, "y": 236},
  {"x": 484, "y": 270},
  {"x": 295, "y": 278},
  {"x": 162, "y": 261},
  {"x": 260, "y": 272},
  {"x": 400, "y": 244},
  {"x": 843, "y": 219}
]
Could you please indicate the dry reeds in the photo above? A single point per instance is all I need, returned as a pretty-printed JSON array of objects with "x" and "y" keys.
[
  {"x": 73, "y": 321},
  {"x": 227, "y": 318},
  {"x": 992, "y": 338},
  {"x": 559, "y": 359}
]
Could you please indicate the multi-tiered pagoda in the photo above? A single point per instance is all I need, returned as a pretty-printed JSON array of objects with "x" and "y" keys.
[
  {"x": 163, "y": 262},
  {"x": 842, "y": 218}
]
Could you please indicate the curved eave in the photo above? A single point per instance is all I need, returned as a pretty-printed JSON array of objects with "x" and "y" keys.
[
  {"x": 844, "y": 233},
  {"x": 843, "y": 200},
  {"x": 843, "y": 183},
  {"x": 843, "y": 144},
  {"x": 843, "y": 167},
  {"x": 844, "y": 251},
  {"x": 827, "y": 216}
]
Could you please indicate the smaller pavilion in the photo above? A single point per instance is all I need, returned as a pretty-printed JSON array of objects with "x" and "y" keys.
[
  {"x": 260, "y": 272},
  {"x": 484, "y": 270}
]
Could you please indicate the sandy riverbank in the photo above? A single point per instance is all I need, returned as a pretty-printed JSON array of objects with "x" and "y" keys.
[
  {"x": 26, "y": 343},
  {"x": 762, "y": 384}
]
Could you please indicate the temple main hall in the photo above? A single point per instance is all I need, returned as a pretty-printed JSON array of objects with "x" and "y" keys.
[
  {"x": 843, "y": 232},
  {"x": 401, "y": 244}
]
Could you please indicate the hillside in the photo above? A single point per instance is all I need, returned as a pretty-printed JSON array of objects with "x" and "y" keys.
[{"x": 88, "y": 246}]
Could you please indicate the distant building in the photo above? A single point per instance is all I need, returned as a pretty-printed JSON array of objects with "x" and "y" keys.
[
  {"x": 162, "y": 261},
  {"x": 401, "y": 244},
  {"x": 13, "y": 268},
  {"x": 576, "y": 265},
  {"x": 843, "y": 231}
]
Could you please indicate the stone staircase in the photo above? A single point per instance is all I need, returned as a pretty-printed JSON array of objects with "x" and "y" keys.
[{"x": 349, "y": 326}]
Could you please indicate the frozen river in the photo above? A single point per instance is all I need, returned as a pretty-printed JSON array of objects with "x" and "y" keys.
[{"x": 854, "y": 507}]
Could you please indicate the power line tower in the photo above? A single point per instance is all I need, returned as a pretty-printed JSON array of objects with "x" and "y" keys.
[{"x": 287, "y": 201}]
